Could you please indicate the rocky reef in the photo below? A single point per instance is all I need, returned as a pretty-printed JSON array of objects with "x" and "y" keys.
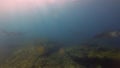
[{"x": 55, "y": 56}]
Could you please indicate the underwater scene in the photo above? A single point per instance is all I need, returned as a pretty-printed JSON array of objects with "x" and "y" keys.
[{"x": 59, "y": 33}]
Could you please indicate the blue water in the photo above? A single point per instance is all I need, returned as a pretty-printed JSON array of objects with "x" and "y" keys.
[{"x": 73, "y": 23}]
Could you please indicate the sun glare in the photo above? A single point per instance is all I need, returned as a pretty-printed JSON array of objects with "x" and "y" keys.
[{"x": 12, "y": 5}]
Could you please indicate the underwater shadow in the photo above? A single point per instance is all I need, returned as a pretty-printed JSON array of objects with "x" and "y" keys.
[{"x": 95, "y": 62}]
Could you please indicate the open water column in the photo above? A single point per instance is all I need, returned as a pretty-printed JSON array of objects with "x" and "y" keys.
[{"x": 59, "y": 34}]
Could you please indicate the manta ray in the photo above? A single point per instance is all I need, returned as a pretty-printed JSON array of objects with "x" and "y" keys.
[
  {"x": 111, "y": 34},
  {"x": 10, "y": 33}
]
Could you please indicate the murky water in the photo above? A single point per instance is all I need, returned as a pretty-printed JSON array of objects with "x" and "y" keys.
[{"x": 58, "y": 24}]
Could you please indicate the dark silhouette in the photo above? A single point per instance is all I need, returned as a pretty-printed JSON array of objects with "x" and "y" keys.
[
  {"x": 112, "y": 34},
  {"x": 95, "y": 62}
]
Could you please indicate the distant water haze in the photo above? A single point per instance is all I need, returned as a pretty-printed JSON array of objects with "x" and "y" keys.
[
  {"x": 71, "y": 21},
  {"x": 24, "y": 24}
]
